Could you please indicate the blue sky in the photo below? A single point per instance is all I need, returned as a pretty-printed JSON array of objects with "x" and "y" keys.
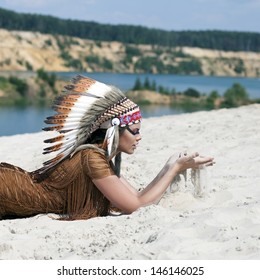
[{"x": 232, "y": 15}]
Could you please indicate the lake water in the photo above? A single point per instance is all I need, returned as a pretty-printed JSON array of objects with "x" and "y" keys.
[
  {"x": 28, "y": 120},
  {"x": 180, "y": 83}
]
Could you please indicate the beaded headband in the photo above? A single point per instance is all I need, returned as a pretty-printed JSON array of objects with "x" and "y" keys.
[{"x": 130, "y": 119}]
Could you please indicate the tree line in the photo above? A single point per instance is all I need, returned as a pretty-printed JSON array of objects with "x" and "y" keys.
[
  {"x": 234, "y": 96},
  {"x": 211, "y": 39},
  {"x": 45, "y": 86}
]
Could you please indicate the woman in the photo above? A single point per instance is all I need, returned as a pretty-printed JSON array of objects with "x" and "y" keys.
[{"x": 94, "y": 124}]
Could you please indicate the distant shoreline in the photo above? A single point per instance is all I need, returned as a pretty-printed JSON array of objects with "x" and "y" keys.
[
  {"x": 39, "y": 88},
  {"x": 29, "y": 74}
]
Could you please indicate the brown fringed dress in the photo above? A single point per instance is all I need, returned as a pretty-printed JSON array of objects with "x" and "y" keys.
[{"x": 67, "y": 189}]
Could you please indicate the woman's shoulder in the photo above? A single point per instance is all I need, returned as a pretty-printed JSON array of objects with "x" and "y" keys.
[
  {"x": 94, "y": 152},
  {"x": 96, "y": 164}
]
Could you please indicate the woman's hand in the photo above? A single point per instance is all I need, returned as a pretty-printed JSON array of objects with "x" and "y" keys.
[{"x": 191, "y": 161}]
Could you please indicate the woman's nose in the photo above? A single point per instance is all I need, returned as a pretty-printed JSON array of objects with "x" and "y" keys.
[{"x": 139, "y": 137}]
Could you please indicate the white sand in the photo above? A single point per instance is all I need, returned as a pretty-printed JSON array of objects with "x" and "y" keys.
[{"x": 224, "y": 223}]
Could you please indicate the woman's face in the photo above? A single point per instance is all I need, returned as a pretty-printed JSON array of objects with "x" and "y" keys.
[{"x": 129, "y": 139}]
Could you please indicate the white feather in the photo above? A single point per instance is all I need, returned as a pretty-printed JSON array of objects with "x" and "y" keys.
[
  {"x": 110, "y": 139},
  {"x": 70, "y": 133},
  {"x": 98, "y": 89},
  {"x": 75, "y": 115},
  {"x": 67, "y": 143},
  {"x": 70, "y": 125},
  {"x": 77, "y": 110},
  {"x": 83, "y": 104}
]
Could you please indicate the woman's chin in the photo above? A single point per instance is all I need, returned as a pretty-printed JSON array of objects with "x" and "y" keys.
[{"x": 131, "y": 151}]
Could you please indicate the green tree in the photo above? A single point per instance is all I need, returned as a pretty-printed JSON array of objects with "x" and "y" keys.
[
  {"x": 138, "y": 84},
  {"x": 239, "y": 66},
  {"x": 49, "y": 78},
  {"x": 191, "y": 92},
  {"x": 74, "y": 63},
  {"x": 153, "y": 87},
  {"x": 20, "y": 85},
  {"x": 148, "y": 64},
  {"x": 191, "y": 66},
  {"x": 147, "y": 83},
  {"x": 107, "y": 64},
  {"x": 92, "y": 59},
  {"x": 235, "y": 96},
  {"x": 132, "y": 51},
  {"x": 129, "y": 34},
  {"x": 211, "y": 99}
]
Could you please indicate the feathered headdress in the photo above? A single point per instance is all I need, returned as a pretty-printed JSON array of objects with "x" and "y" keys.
[{"x": 85, "y": 106}]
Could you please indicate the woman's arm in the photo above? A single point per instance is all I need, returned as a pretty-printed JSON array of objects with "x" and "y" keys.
[
  {"x": 128, "y": 200},
  {"x": 128, "y": 185}
]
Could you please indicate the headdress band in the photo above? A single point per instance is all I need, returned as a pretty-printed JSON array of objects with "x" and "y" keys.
[{"x": 130, "y": 118}]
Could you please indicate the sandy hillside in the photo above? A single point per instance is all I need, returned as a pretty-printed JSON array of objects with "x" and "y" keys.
[{"x": 23, "y": 50}]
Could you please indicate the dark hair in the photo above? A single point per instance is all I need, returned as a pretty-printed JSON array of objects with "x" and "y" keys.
[{"x": 97, "y": 137}]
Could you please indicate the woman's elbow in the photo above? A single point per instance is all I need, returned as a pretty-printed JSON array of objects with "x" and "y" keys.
[{"x": 129, "y": 209}]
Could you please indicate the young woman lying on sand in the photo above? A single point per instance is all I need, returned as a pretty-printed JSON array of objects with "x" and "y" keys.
[{"x": 94, "y": 124}]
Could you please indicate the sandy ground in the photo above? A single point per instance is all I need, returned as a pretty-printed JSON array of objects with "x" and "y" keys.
[{"x": 222, "y": 221}]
